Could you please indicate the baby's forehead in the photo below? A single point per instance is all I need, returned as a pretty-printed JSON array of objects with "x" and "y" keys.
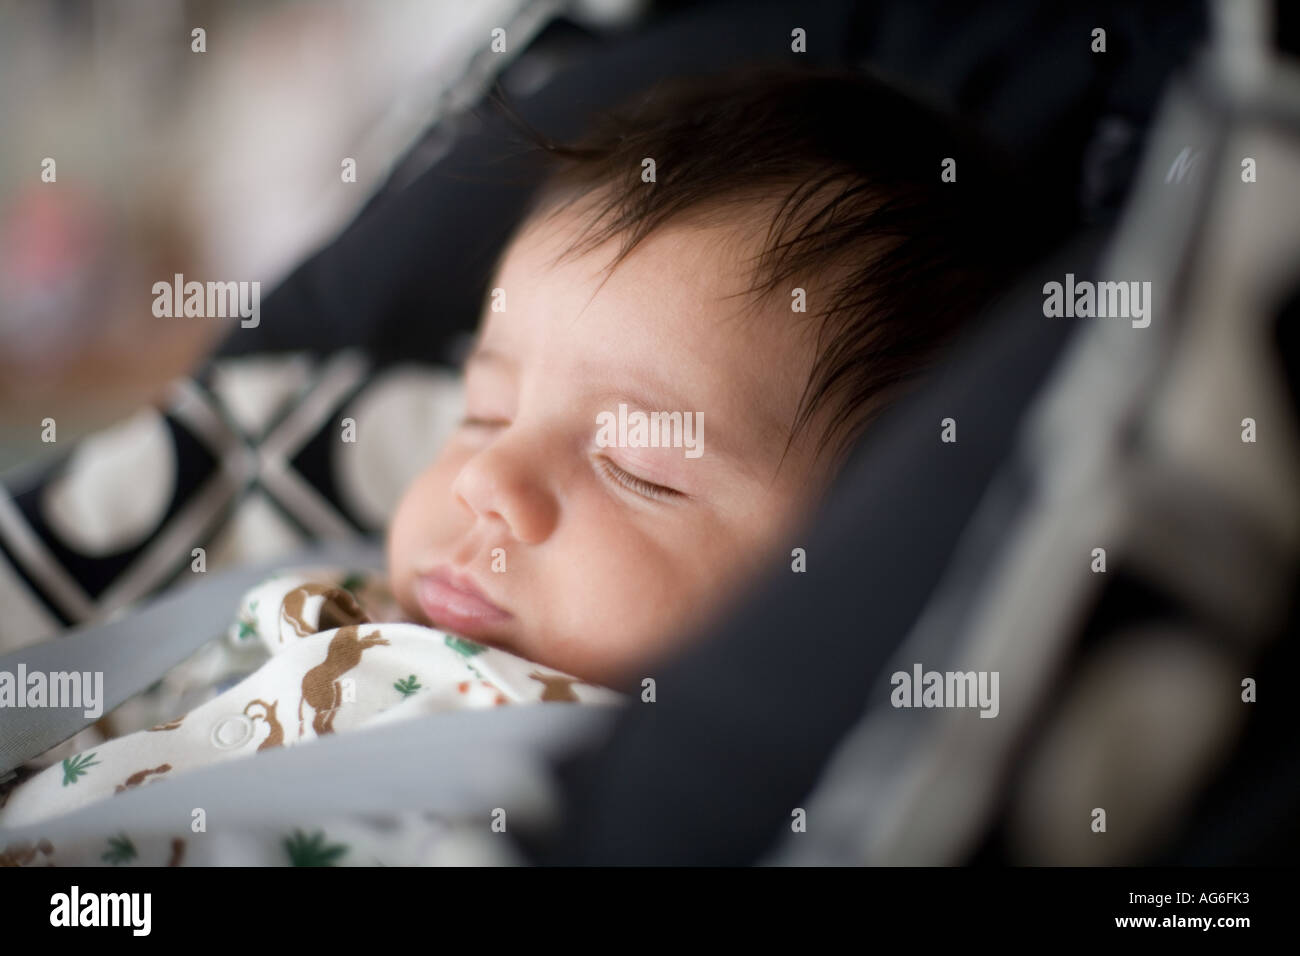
[{"x": 677, "y": 311}]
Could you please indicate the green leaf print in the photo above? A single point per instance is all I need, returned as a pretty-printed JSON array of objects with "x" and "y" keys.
[
  {"x": 75, "y": 767},
  {"x": 120, "y": 849},
  {"x": 248, "y": 623},
  {"x": 353, "y": 583},
  {"x": 311, "y": 850},
  {"x": 407, "y": 687},
  {"x": 461, "y": 646}
]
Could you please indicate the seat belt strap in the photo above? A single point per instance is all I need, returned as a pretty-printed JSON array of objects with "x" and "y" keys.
[{"x": 457, "y": 763}]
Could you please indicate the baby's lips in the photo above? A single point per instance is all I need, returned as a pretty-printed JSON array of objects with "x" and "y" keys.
[{"x": 455, "y": 603}]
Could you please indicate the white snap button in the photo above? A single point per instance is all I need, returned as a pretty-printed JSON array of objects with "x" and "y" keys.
[{"x": 231, "y": 732}]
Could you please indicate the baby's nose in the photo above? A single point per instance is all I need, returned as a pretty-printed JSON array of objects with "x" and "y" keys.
[{"x": 501, "y": 482}]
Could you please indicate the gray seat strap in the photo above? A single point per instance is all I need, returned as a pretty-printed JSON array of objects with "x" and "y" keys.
[
  {"x": 457, "y": 763},
  {"x": 137, "y": 649}
]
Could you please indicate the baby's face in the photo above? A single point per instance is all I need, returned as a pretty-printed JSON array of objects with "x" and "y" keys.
[{"x": 531, "y": 533}]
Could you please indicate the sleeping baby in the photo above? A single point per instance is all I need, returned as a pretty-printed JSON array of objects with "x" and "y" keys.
[{"x": 712, "y": 296}]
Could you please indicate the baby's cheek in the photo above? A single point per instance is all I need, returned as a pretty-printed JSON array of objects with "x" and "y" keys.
[
  {"x": 421, "y": 511},
  {"x": 646, "y": 593},
  {"x": 431, "y": 499}
]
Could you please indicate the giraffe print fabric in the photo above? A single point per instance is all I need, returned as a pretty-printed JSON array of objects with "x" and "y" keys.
[{"x": 329, "y": 653}]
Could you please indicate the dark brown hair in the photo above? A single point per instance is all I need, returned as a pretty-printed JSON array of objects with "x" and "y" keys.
[{"x": 846, "y": 170}]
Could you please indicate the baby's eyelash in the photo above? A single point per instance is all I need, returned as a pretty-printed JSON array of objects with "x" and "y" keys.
[{"x": 639, "y": 485}]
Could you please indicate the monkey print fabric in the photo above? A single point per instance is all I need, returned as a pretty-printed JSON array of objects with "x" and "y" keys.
[{"x": 328, "y": 668}]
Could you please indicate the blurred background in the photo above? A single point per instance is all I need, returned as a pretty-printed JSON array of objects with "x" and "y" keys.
[
  {"x": 130, "y": 157},
  {"x": 135, "y": 149}
]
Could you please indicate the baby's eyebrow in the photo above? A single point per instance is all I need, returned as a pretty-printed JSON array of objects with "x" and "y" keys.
[
  {"x": 720, "y": 440},
  {"x": 648, "y": 394}
]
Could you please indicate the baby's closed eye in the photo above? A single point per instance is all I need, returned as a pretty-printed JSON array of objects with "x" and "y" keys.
[{"x": 641, "y": 486}]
